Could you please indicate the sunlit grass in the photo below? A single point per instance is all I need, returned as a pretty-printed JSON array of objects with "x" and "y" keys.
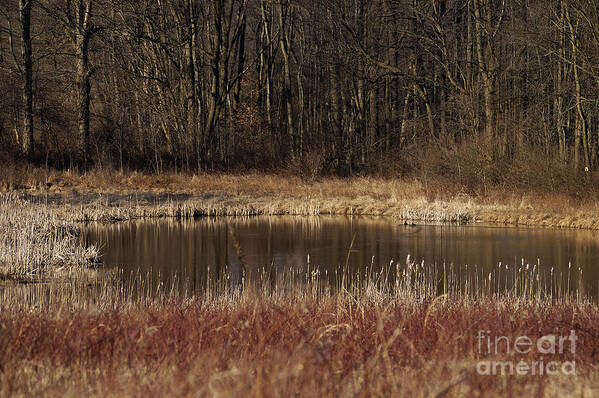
[
  {"x": 112, "y": 195},
  {"x": 408, "y": 328},
  {"x": 36, "y": 244},
  {"x": 270, "y": 339}
]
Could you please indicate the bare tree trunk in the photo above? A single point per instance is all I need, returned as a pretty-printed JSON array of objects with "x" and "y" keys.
[
  {"x": 389, "y": 107},
  {"x": 84, "y": 32},
  {"x": 469, "y": 44},
  {"x": 372, "y": 120},
  {"x": 240, "y": 59},
  {"x": 266, "y": 60},
  {"x": 559, "y": 98},
  {"x": 300, "y": 112},
  {"x": 336, "y": 116},
  {"x": 219, "y": 69},
  {"x": 485, "y": 69},
  {"x": 581, "y": 124},
  {"x": 361, "y": 89},
  {"x": 423, "y": 95},
  {"x": 286, "y": 94},
  {"x": 193, "y": 105},
  {"x": 225, "y": 29},
  {"x": 27, "y": 142},
  {"x": 388, "y": 113},
  {"x": 404, "y": 117}
]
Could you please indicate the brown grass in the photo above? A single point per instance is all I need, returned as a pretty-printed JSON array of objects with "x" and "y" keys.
[
  {"x": 299, "y": 344},
  {"x": 112, "y": 195},
  {"x": 36, "y": 244},
  {"x": 372, "y": 336},
  {"x": 39, "y": 225}
]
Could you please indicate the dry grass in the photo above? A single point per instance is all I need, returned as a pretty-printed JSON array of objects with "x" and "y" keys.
[
  {"x": 228, "y": 194},
  {"x": 408, "y": 330},
  {"x": 36, "y": 244},
  {"x": 362, "y": 342},
  {"x": 38, "y": 228}
]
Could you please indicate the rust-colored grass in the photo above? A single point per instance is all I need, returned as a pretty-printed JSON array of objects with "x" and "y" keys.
[
  {"x": 290, "y": 346},
  {"x": 368, "y": 337},
  {"x": 92, "y": 338}
]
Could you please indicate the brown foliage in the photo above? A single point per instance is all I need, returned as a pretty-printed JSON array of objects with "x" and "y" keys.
[{"x": 293, "y": 345}]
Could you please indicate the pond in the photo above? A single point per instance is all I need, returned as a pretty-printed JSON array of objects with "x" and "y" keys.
[{"x": 185, "y": 254}]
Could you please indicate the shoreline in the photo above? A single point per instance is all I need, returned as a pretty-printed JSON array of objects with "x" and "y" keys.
[
  {"x": 109, "y": 207},
  {"x": 83, "y": 333},
  {"x": 56, "y": 208},
  {"x": 115, "y": 196}
]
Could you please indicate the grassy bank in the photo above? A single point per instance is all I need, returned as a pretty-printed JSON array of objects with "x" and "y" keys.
[
  {"x": 367, "y": 342},
  {"x": 103, "y": 195},
  {"x": 410, "y": 330},
  {"x": 40, "y": 212}
]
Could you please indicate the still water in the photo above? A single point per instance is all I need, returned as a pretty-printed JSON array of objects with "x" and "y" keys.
[{"x": 185, "y": 254}]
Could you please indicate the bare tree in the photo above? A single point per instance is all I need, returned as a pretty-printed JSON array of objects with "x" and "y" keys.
[
  {"x": 27, "y": 71},
  {"x": 340, "y": 85}
]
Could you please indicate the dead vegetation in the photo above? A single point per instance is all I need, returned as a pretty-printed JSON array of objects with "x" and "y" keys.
[
  {"x": 407, "y": 330},
  {"x": 36, "y": 244},
  {"x": 370, "y": 339},
  {"x": 107, "y": 195}
]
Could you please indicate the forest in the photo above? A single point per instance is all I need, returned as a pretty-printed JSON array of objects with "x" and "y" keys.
[
  {"x": 481, "y": 90},
  {"x": 320, "y": 198}
]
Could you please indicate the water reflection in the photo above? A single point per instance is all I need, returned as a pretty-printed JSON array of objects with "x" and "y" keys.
[{"x": 190, "y": 253}]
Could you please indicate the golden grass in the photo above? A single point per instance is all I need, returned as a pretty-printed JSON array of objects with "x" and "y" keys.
[
  {"x": 252, "y": 194},
  {"x": 407, "y": 330},
  {"x": 36, "y": 244},
  {"x": 36, "y": 226}
]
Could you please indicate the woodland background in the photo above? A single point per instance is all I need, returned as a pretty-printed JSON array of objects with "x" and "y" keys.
[{"x": 497, "y": 92}]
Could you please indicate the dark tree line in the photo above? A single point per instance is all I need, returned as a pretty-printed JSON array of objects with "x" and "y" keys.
[{"x": 335, "y": 84}]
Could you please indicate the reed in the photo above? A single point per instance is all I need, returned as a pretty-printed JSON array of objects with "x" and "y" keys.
[
  {"x": 38, "y": 234},
  {"x": 408, "y": 328},
  {"x": 107, "y": 195},
  {"x": 407, "y": 282},
  {"x": 295, "y": 337},
  {"x": 37, "y": 244}
]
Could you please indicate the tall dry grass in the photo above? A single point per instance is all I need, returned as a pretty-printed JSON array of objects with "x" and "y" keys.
[
  {"x": 402, "y": 282},
  {"x": 38, "y": 235},
  {"x": 297, "y": 341},
  {"x": 36, "y": 243},
  {"x": 419, "y": 199},
  {"x": 408, "y": 329}
]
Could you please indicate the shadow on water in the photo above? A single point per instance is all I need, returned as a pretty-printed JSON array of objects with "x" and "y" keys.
[{"x": 189, "y": 254}]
